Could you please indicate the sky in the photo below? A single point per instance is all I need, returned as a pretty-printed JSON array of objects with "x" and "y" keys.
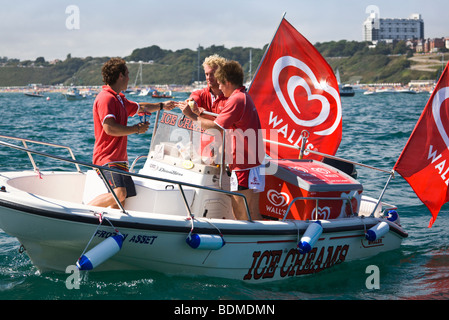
[{"x": 55, "y": 28}]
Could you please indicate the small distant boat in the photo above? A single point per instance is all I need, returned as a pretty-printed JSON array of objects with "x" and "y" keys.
[
  {"x": 157, "y": 94},
  {"x": 34, "y": 94},
  {"x": 346, "y": 90},
  {"x": 390, "y": 91},
  {"x": 145, "y": 92},
  {"x": 73, "y": 94},
  {"x": 132, "y": 91},
  {"x": 409, "y": 91}
]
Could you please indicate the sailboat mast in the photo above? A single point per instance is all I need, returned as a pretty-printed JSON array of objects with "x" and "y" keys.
[
  {"x": 250, "y": 63},
  {"x": 198, "y": 75},
  {"x": 139, "y": 73}
]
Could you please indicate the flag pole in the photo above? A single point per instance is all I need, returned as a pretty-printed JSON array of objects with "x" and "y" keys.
[
  {"x": 264, "y": 55},
  {"x": 383, "y": 192}
]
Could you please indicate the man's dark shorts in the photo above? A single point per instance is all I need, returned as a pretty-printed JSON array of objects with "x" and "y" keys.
[{"x": 117, "y": 180}]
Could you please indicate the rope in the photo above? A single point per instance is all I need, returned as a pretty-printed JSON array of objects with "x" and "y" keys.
[
  {"x": 219, "y": 231},
  {"x": 191, "y": 218},
  {"x": 91, "y": 238},
  {"x": 100, "y": 218},
  {"x": 191, "y": 229}
]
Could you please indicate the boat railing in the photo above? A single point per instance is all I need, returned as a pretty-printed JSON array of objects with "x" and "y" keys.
[
  {"x": 302, "y": 150},
  {"x": 180, "y": 184},
  {"x": 24, "y": 142},
  {"x": 101, "y": 169},
  {"x": 131, "y": 169}
]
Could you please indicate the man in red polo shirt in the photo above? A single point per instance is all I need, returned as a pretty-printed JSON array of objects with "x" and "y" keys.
[
  {"x": 209, "y": 98},
  {"x": 110, "y": 112},
  {"x": 240, "y": 122}
]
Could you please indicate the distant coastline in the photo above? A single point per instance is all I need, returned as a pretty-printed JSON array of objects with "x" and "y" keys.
[
  {"x": 356, "y": 62},
  {"x": 416, "y": 86},
  {"x": 90, "y": 89}
]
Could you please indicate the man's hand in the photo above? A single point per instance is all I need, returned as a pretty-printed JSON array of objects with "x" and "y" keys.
[
  {"x": 142, "y": 127},
  {"x": 169, "y": 105},
  {"x": 186, "y": 109}
]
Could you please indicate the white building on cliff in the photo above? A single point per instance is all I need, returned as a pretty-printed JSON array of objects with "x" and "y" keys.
[{"x": 382, "y": 29}]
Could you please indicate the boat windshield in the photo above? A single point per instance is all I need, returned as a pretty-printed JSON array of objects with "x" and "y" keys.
[{"x": 179, "y": 137}]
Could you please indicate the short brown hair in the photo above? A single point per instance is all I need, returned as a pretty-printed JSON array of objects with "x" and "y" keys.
[
  {"x": 232, "y": 72},
  {"x": 112, "y": 69}
]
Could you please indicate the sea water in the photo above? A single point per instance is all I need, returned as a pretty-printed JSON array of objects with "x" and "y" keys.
[{"x": 375, "y": 129}]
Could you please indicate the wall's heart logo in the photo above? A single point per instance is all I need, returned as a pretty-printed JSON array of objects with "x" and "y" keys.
[
  {"x": 323, "y": 213},
  {"x": 297, "y": 81},
  {"x": 278, "y": 199},
  {"x": 438, "y": 100}
]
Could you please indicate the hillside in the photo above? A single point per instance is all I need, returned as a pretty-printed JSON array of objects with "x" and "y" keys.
[{"x": 354, "y": 60}]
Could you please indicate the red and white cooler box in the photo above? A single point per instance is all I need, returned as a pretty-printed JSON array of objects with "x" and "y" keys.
[{"x": 308, "y": 178}]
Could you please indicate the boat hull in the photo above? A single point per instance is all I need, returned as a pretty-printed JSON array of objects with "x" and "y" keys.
[
  {"x": 56, "y": 233},
  {"x": 72, "y": 97}
]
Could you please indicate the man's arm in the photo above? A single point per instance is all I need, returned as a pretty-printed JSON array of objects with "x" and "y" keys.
[
  {"x": 112, "y": 128},
  {"x": 206, "y": 124},
  {"x": 150, "y": 107}
]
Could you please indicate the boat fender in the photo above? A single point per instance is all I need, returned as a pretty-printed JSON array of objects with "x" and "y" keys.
[
  {"x": 205, "y": 241},
  {"x": 100, "y": 253},
  {"x": 377, "y": 231},
  {"x": 393, "y": 216},
  {"x": 310, "y": 237}
]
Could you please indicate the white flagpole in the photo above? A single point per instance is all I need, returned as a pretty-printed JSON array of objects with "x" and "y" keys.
[{"x": 263, "y": 58}]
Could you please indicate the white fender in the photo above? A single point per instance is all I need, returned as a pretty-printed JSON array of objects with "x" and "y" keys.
[
  {"x": 100, "y": 253},
  {"x": 205, "y": 241},
  {"x": 377, "y": 231},
  {"x": 310, "y": 237}
]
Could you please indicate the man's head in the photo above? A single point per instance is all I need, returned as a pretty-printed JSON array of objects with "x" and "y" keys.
[
  {"x": 229, "y": 76},
  {"x": 210, "y": 65},
  {"x": 115, "y": 70}
]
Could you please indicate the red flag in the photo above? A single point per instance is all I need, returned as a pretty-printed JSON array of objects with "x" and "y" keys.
[
  {"x": 424, "y": 162},
  {"x": 295, "y": 89}
]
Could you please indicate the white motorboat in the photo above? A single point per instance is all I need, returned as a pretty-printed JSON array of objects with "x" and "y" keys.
[
  {"x": 145, "y": 92},
  {"x": 181, "y": 221},
  {"x": 179, "y": 197},
  {"x": 390, "y": 91},
  {"x": 34, "y": 94},
  {"x": 345, "y": 90},
  {"x": 74, "y": 94}
]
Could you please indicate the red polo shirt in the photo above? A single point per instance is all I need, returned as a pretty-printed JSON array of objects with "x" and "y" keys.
[
  {"x": 240, "y": 117},
  {"x": 204, "y": 99},
  {"x": 109, "y": 104}
]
